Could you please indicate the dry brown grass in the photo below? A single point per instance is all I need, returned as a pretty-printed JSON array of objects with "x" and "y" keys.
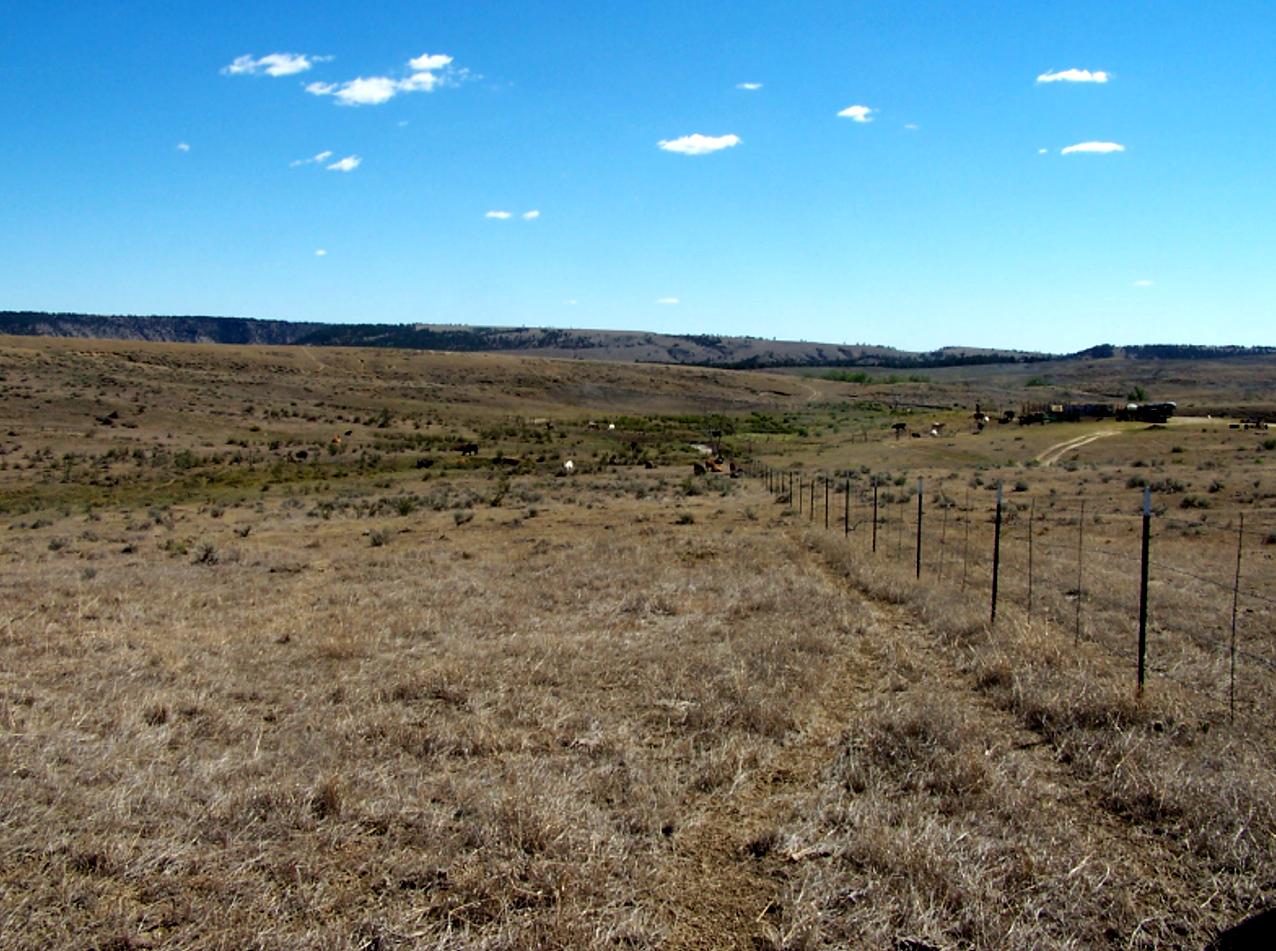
[{"x": 250, "y": 700}]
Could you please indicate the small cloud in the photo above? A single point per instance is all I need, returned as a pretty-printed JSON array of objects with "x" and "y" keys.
[
  {"x": 402, "y": 123},
  {"x": 428, "y": 62},
  {"x": 347, "y": 164},
  {"x": 183, "y": 146},
  {"x": 429, "y": 71},
  {"x": 1143, "y": 283},
  {"x": 531, "y": 215},
  {"x": 698, "y": 144},
  {"x": 667, "y": 300},
  {"x": 1100, "y": 148},
  {"x": 857, "y": 113},
  {"x": 364, "y": 91},
  {"x": 272, "y": 64},
  {"x": 313, "y": 160},
  {"x": 751, "y": 87},
  {"x": 499, "y": 215},
  {"x": 571, "y": 302},
  {"x": 1074, "y": 76},
  {"x": 911, "y": 126},
  {"x": 321, "y": 252},
  {"x": 1042, "y": 151}
]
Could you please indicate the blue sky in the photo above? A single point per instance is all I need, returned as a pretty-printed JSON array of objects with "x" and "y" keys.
[{"x": 161, "y": 158}]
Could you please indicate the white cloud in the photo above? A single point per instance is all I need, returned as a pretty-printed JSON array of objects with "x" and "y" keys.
[
  {"x": 347, "y": 164},
  {"x": 429, "y": 72},
  {"x": 698, "y": 144},
  {"x": 313, "y": 160},
  {"x": 531, "y": 215},
  {"x": 571, "y": 302},
  {"x": 857, "y": 113},
  {"x": 1074, "y": 76},
  {"x": 183, "y": 147},
  {"x": 1143, "y": 283},
  {"x": 364, "y": 91},
  {"x": 321, "y": 253},
  {"x": 429, "y": 61},
  {"x": 273, "y": 64},
  {"x": 500, "y": 215},
  {"x": 1098, "y": 147},
  {"x": 911, "y": 126},
  {"x": 751, "y": 87},
  {"x": 1042, "y": 151},
  {"x": 667, "y": 300}
]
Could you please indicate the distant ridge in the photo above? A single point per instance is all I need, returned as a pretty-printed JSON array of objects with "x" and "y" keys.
[{"x": 613, "y": 345}]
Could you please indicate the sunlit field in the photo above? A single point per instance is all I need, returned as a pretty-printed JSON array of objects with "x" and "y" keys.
[{"x": 328, "y": 649}]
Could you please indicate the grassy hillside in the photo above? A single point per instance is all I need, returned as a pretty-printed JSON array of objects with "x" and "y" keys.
[{"x": 324, "y": 648}]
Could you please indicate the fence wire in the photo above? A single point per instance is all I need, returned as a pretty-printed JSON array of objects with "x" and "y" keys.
[{"x": 1077, "y": 562}]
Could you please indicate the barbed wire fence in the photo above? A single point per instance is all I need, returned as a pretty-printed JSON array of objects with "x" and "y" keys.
[{"x": 1187, "y": 599}]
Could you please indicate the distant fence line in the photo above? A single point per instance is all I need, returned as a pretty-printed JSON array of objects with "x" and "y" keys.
[{"x": 1183, "y": 599}]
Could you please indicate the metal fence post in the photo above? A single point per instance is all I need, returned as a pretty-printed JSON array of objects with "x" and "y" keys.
[
  {"x": 875, "y": 517},
  {"x": 846, "y": 511},
  {"x": 1080, "y": 550},
  {"x": 826, "y": 503},
  {"x": 920, "y": 494},
  {"x": 1032, "y": 512},
  {"x": 943, "y": 533},
  {"x": 996, "y": 556},
  {"x": 965, "y": 543},
  {"x": 1236, "y": 595},
  {"x": 1143, "y": 588}
]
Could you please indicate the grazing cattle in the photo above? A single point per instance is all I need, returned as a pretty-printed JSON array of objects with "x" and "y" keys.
[
  {"x": 425, "y": 462},
  {"x": 569, "y": 467},
  {"x": 698, "y": 468},
  {"x": 900, "y": 429},
  {"x": 466, "y": 448}
]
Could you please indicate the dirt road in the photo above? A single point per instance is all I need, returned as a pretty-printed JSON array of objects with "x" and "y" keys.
[{"x": 1058, "y": 450}]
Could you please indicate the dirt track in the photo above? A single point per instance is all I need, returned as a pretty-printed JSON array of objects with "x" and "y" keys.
[
  {"x": 1058, "y": 450},
  {"x": 731, "y": 878}
]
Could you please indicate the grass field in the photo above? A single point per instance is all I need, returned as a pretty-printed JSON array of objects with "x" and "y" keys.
[{"x": 281, "y": 668}]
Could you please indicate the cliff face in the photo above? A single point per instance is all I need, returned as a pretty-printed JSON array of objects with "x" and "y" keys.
[
  {"x": 614, "y": 345},
  {"x": 171, "y": 329}
]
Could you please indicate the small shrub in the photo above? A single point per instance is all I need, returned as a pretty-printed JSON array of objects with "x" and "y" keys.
[
  {"x": 378, "y": 537},
  {"x": 462, "y": 517},
  {"x": 206, "y": 554},
  {"x": 1194, "y": 502},
  {"x": 685, "y": 518}
]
